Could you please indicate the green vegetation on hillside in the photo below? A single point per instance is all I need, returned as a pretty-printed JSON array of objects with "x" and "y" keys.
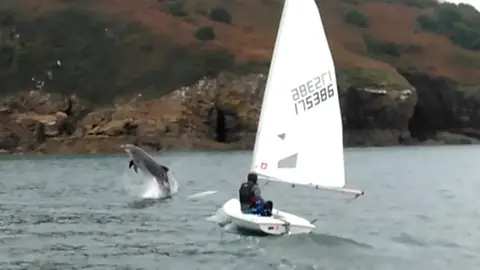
[
  {"x": 205, "y": 33},
  {"x": 74, "y": 51},
  {"x": 459, "y": 23},
  {"x": 357, "y": 18},
  {"x": 107, "y": 49},
  {"x": 377, "y": 47},
  {"x": 367, "y": 77},
  {"x": 410, "y": 3},
  {"x": 416, "y": 3},
  {"x": 220, "y": 14},
  {"x": 176, "y": 8}
]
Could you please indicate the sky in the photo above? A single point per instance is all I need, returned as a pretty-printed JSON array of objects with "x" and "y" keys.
[{"x": 474, "y": 3}]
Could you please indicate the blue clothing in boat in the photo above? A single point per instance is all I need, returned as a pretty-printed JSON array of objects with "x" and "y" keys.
[{"x": 261, "y": 209}]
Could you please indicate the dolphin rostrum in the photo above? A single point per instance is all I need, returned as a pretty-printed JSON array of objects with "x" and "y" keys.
[{"x": 140, "y": 159}]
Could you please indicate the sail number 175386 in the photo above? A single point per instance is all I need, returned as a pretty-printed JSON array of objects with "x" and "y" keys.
[{"x": 313, "y": 92}]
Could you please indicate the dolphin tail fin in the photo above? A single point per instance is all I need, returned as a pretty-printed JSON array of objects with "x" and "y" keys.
[{"x": 134, "y": 166}]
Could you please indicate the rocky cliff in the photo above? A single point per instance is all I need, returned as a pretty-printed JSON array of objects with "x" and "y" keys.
[{"x": 86, "y": 76}]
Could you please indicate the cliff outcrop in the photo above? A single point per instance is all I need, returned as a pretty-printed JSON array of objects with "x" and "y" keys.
[{"x": 86, "y": 76}]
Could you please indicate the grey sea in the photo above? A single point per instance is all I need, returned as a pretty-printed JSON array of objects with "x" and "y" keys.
[{"x": 420, "y": 211}]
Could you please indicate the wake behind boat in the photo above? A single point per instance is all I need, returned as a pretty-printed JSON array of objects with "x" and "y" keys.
[
  {"x": 299, "y": 138},
  {"x": 141, "y": 160}
]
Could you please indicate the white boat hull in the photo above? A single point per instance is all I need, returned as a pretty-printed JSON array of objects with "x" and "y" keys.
[{"x": 279, "y": 223}]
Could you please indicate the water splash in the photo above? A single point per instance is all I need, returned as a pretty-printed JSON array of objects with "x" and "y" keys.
[
  {"x": 146, "y": 187},
  {"x": 220, "y": 218},
  {"x": 173, "y": 183},
  {"x": 152, "y": 190}
]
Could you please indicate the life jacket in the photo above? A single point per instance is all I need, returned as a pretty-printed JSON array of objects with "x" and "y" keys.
[{"x": 246, "y": 194}]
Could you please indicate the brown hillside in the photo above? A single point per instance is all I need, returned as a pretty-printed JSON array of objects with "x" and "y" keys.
[
  {"x": 407, "y": 69},
  {"x": 170, "y": 25},
  {"x": 251, "y": 35}
]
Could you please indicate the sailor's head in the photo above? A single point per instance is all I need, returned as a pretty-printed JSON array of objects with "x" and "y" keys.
[{"x": 252, "y": 177}]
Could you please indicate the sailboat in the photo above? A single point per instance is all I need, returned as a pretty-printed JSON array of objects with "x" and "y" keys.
[{"x": 299, "y": 137}]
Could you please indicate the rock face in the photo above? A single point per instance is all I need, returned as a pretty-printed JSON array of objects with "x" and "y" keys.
[
  {"x": 446, "y": 111},
  {"x": 216, "y": 113},
  {"x": 387, "y": 106},
  {"x": 225, "y": 110},
  {"x": 222, "y": 113},
  {"x": 30, "y": 118}
]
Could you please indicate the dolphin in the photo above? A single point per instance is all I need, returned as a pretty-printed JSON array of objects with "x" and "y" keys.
[{"x": 141, "y": 160}]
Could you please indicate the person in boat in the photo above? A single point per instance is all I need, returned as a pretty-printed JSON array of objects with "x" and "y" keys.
[
  {"x": 251, "y": 201},
  {"x": 249, "y": 194}
]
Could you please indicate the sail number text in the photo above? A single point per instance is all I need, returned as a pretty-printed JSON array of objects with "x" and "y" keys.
[{"x": 312, "y": 93}]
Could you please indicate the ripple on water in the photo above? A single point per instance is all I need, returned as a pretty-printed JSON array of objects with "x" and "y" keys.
[
  {"x": 51, "y": 220},
  {"x": 410, "y": 240}
]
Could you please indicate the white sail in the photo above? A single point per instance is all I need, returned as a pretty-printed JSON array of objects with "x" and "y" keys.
[{"x": 300, "y": 138}]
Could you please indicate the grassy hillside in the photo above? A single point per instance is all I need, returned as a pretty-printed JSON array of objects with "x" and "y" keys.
[{"x": 116, "y": 47}]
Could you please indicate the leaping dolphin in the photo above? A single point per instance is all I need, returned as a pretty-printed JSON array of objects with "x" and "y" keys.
[{"x": 140, "y": 159}]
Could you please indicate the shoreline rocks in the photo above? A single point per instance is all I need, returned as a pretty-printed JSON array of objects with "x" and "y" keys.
[{"x": 216, "y": 114}]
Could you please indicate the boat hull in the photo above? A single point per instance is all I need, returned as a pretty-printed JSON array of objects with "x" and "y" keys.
[{"x": 278, "y": 224}]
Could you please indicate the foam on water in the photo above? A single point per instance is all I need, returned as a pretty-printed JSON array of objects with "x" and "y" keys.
[
  {"x": 219, "y": 217},
  {"x": 201, "y": 194}
]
